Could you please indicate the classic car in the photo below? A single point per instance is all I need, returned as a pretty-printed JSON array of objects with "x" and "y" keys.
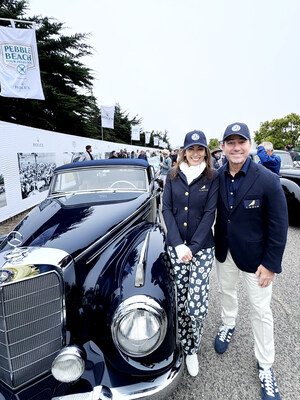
[
  {"x": 290, "y": 182},
  {"x": 87, "y": 307}
]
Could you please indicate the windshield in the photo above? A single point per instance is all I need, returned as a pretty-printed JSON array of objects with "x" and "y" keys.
[{"x": 100, "y": 179}]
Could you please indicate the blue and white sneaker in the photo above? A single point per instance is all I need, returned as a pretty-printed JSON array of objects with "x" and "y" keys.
[
  {"x": 269, "y": 389},
  {"x": 223, "y": 339}
]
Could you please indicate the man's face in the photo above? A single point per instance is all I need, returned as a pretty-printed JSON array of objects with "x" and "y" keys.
[{"x": 236, "y": 149}]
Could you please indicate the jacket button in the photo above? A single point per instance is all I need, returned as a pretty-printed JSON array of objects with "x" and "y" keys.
[
  {"x": 185, "y": 224},
  {"x": 185, "y": 208},
  {"x": 229, "y": 221},
  {"x": 186, "y": 193}
]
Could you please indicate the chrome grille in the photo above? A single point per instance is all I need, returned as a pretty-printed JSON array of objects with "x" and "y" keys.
[{"x": 31, "y": 327}]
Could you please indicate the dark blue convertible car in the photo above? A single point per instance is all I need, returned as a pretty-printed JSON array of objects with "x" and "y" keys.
[{"x": 87, "y": 307}]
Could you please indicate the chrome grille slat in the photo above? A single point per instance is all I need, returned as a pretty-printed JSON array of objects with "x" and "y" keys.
[{"x": 31, "y": 323}]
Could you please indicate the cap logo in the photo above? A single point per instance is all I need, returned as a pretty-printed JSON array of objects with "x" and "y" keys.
[
  {"x": 236, "y": 128},
  {"x": 195, "y": 136}
]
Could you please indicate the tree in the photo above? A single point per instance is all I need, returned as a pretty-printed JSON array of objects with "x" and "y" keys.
[
  {"x": 281, "y": 132},
  {"x": 213, "y": 144},
  {"x": 69, "y": 105}
]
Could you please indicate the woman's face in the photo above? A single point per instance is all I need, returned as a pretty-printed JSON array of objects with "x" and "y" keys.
[{"x": 195, "y": 155}]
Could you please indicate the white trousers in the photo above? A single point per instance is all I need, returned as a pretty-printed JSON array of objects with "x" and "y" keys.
[{"x": 260, "y": 310}]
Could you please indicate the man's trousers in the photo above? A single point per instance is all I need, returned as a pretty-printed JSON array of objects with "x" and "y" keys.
[{"x": 260, "y": 310}]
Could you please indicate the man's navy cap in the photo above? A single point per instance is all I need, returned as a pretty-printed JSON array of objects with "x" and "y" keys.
[
  {"x": 238, "y": 128},
  {"x": 194, "y": 138}
]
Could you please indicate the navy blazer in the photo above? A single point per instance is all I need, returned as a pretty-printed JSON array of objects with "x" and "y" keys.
[
  {"x": 189, "y": 210},
  {"x": 255, "y": 230}
]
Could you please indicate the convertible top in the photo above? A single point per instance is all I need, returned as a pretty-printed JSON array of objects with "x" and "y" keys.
[{"x": 113, "y": 161}]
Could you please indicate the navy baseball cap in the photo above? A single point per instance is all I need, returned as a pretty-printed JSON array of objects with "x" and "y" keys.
[
  {"x": 238, "y": 128},
  {"x": 194, "y": 138}
]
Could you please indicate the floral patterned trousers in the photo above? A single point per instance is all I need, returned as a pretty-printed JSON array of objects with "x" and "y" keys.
[{"x": 192, "y": 284}]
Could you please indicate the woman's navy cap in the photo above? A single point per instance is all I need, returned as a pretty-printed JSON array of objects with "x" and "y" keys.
[
  {"x": 238, "y": 128},
  {"x": 194, "y": 138}
]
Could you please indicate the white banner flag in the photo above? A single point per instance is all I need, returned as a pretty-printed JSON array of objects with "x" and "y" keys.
[
  {"x": 135, "y": 132},
  {"x": 161, "y": 143},
  {"x": 19, "y": 64},
  {"x": 147, "y": 137},
  {"x": 155, "y": 141},
  {"x": 107, "y": 116}
]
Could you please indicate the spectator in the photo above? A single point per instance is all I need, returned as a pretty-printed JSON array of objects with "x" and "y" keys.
[
  {"x": 165, "y": 165},
  {"x": 267, "y": 158},
  {"x": 113, "y": 154},
  {"x": 291, "y": 151},
  {"x": 216, "y": 158},
  {"x": 132, "y": 154},
  {"x": 87, "y": 155},
  {"x": 174, "y": 157},
  {"x": 142, "y": 155}
]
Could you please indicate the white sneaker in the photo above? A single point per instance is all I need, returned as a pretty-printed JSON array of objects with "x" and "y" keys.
[{"x": 192, "y": 364}]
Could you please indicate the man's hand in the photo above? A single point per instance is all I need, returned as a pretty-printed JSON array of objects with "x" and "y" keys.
[{"x": 266, "y": 277}]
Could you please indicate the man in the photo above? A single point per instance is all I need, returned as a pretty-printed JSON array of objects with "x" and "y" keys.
[
  {"x": 216, "y": 158},
  {"x": 290, "y": 150},
  {"x": 142, "y": 155},
  {"x": 87, "y": 155},
  {"x": 250, "y": 236},
  {"x": 267, "y": 158}
]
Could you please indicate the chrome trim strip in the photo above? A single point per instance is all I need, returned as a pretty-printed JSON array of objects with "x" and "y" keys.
[
  {"x": 37, "y": 255},
  {"x": 141, "y": 267}
]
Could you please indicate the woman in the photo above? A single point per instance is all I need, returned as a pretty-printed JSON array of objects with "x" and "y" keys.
[{"x": 189, "y": 204}]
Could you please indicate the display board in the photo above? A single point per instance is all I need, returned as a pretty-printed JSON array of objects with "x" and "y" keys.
[{"x": 28, "y": 157}]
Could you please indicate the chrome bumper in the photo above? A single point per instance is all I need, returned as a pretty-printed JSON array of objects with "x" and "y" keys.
[{"x": 158, "y": 388}]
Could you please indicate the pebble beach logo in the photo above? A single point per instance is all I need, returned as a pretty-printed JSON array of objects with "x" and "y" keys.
[{"x": 18, "y": 56}]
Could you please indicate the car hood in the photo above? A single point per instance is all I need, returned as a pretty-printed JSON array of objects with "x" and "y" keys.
[
  {"x": 72, "y": 223},
  {"x": 290, "y": 172}
]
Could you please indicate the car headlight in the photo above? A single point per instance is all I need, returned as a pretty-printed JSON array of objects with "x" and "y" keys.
[
  {"x": 68, "y": 365},
  {"x": 139, "y": 326}
]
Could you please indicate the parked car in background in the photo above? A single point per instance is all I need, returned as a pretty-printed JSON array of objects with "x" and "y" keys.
[
  {"x": 87, "y": 306},
  {"x": 290, "y": 182}
]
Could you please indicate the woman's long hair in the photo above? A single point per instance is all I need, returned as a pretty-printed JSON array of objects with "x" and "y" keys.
[{"x": 209, "y": 170}]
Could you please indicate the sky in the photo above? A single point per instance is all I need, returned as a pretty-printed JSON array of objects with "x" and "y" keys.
[{"x": 193, "y": 64}]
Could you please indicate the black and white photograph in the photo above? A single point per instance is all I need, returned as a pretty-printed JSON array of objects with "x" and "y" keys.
[
  {"x": 2, "y": 190},
  {"x": 35, "y": 171}
]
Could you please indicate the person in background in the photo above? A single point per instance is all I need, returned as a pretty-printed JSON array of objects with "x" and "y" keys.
[
  {"x": 216, "y": 158},
  {"x": 113, "y": 154},
  {"x": 132, "y": 154},
  {"x": 142, "y": 155},
  {"x": 189, "y": 203},
  {"x": 267, "y": 158},
  {"x": 250, "y": 237},
  {"x": 165, "y": 165},
  {"x": 174, "y": 157},
  {"x": 291, "y": 151},
  {"x": 87, "y": 155}
]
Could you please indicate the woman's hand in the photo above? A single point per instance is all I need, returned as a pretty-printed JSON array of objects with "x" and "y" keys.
[{"x": 184, "y": 253}]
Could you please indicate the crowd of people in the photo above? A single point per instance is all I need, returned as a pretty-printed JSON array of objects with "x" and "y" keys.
[{"x": 35, "y": 177}]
